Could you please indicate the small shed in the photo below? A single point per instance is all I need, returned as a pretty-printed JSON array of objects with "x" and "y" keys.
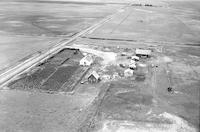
[
  {"x": 86, "y": 61},
  {"x": 132, "y": 62},
  {"x": 142, "y": 53},
  {"x": 128, "y": 73},
  {"x": 123, "y": 54},
  {"x": 93, "y": 77},
  {"x": 132, "y": 66},
  {"x": 135, "y": 58}
]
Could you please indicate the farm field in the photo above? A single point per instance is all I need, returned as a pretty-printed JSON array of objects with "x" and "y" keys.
[
  {"x": 28, "y": 27},
  {"x": 161, "y": 24}
]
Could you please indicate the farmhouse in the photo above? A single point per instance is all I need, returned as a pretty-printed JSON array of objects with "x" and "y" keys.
[
  {"x": 86, "y": 61},
  {"x": 143, "y": 53},
  {"x": 93, "y": 77}
]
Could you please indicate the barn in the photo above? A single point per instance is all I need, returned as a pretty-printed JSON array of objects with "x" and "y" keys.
[
  {"x": 143, "y": 53},
  {"x": 93, "y": 77}
]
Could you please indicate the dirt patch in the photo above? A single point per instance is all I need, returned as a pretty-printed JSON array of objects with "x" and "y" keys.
[
  {"x": 125, "y": 100},
  {"x": 132, "y": 97},
  {"x": 190, "y": 107},
  {"x": 190, "y": 89},
  {"x": 122, "y": 101},
  {"x": 195, "y": 51},
  {"x": 192, "y": 110},
  {"x": 140, "y": 78}
]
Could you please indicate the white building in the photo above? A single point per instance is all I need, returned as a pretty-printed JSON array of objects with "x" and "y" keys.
[
  {"x": 132, "y": 66},
  {"x": 128, "y": 73},
  {"x": 86, "y": 61},
  {"x": 142, "y": 52}
]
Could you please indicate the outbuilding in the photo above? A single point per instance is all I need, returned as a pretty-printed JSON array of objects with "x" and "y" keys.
[
  {"x": 135, "y": 58},
  {"x": 93, "y": 77},
  {"x": 86, "y": 61},
  {"x": 132, "y": 66},
  {"x": 128, "y": 73},
  {"x": 143, "y": 53}
]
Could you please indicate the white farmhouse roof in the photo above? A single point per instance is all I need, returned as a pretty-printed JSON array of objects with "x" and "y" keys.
[
  {"x": 143, "y": 52},
  {"x": 87, "y": 60}
]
